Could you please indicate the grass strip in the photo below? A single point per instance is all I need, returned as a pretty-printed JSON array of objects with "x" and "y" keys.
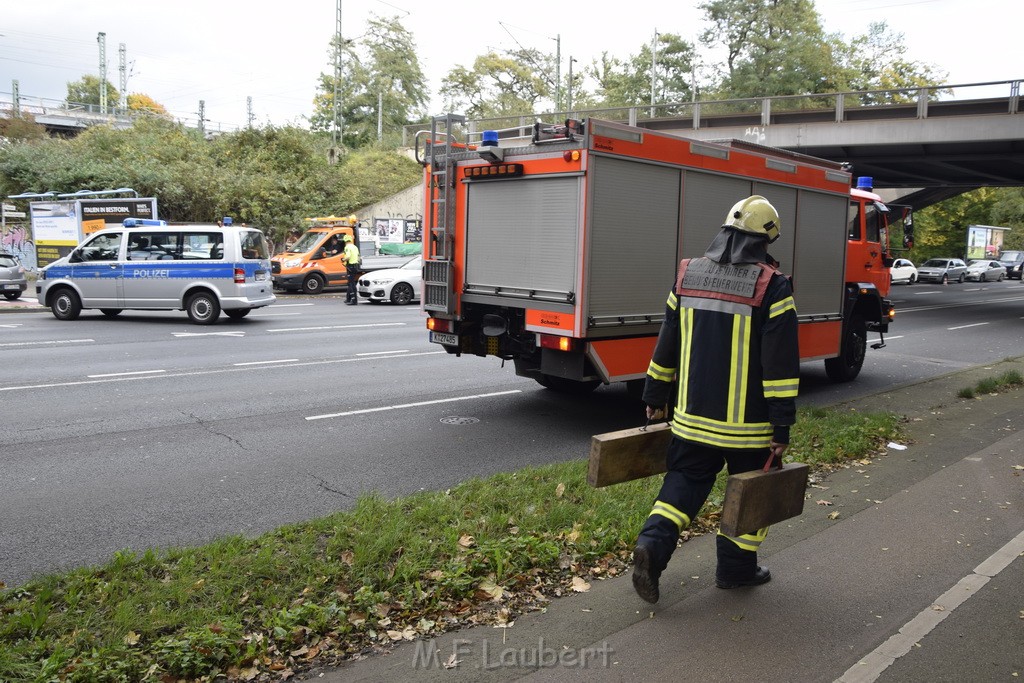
[
  {"x": 992, "y": 385},
  {"x": 357, "y": 581}
]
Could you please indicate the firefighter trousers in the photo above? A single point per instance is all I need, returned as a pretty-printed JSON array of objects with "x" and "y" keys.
[{"x": 692, "y": 469}]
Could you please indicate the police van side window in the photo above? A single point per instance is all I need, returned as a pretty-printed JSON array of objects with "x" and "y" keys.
[
  {"x": 101, "y": 248},
  {"x": 203, "y": 246},
  {"x": 153, "y": 246},
  {"x": 254, "y": 245}
]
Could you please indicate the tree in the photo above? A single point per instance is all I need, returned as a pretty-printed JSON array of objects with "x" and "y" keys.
[
  {"x": 773, "y": 47},
  {"x": 138, "y": 102},
  {"x": 496, "y": 86},
  {"x": 381, "y": 78},
  {"x": 628, "y": 83},
  {"x": 87, "y": 91},
  {"x": 21, "y": 127},
  {"x": 270, "y": 177},
  {"x": 941, "y": 229},
  {"x": 877, "y": 60}
]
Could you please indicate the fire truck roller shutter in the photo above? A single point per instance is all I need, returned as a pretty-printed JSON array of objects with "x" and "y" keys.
[
  {"x": 634, "y": 225},
  {"x": 522, "y": 234}
]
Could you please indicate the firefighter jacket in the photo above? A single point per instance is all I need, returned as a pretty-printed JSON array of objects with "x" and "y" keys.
[{"x": 728, "y": 350}]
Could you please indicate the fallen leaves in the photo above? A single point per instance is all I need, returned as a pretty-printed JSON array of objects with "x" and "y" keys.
[{"x": 579, "y": 585}]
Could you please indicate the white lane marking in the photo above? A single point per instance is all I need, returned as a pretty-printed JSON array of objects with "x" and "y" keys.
[
  {"x": 265, "y": 362},
  {"x": 126, "y": 374},
  {"x": 334, "y": 327},
  {"x": 12, "y": 326},
  {"x": 413, "y": 405},
  {"x": 899, "y": 336},
  {"x": 273, "y": 315},
  {"x": 935, "y": 292},
  {"x": 215, "y": 371},
  {"x": 236, "y": 333},
  {"x": 964, "y": 327},
  {"x": 288, "y": 305},
  {"x": 55, "y": 341},
  {"x": 871, "y": 666},
  {"x": 378, "y": 353},
  {"x": 957, "y": 305}
]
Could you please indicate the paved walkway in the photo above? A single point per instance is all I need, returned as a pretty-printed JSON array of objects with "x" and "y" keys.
[{"x": 916, "y": 579}]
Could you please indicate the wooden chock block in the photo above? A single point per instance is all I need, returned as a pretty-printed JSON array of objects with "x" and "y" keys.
[
  {"x": 754, "y": 500},
  {"x": 628, "y": 454}
]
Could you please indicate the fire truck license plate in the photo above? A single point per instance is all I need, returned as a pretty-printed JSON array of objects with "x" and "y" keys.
[{"x": 444, "y": 338}]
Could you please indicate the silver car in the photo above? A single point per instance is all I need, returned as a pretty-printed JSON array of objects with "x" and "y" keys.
[
  {"x": 942, "y": 270},
  {"x": 12, "y": 277},
  {"x": 984, "y": 270}
]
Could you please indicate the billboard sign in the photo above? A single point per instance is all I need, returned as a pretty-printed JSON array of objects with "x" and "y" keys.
[{"x": 58, "y": 226}]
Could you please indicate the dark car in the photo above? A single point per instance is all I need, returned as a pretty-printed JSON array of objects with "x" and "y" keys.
[
  {"x": 12, "y": 277},
  {"x": 1013, "y": 261}
]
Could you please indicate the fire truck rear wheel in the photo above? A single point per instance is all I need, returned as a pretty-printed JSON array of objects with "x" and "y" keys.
[
  {"x": 847, "y": 365},
  {"x": 567, "y": 386}
]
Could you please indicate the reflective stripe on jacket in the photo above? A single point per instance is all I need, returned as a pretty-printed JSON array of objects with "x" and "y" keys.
[{"x": 729, "y": 347}]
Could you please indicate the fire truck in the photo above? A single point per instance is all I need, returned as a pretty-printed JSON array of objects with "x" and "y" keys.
[{"x": 558, "y": 254}]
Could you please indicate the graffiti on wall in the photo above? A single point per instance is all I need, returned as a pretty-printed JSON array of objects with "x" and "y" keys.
[{"x": 17, "y": 240}]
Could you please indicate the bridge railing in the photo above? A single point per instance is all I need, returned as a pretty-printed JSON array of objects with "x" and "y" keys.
[
  {"x": 82, "y": 115},
  {"x": 1003, "y": 96}
]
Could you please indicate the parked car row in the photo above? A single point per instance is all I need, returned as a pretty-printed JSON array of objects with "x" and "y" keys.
[{"x": 946, "y": 270}]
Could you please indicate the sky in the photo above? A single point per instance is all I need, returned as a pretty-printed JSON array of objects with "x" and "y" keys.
[{"x": 225, "y": 51}]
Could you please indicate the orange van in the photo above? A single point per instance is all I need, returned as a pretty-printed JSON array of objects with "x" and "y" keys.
[{"x": 315, "y": 260}]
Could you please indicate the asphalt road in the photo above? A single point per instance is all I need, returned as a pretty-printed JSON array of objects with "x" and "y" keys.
[{"x": 147, "y": 431}]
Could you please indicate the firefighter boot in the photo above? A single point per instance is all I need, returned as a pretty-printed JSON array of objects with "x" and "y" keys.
[
  {"x": 645, "y": 576},
  {"x": 737, "y": 566}
]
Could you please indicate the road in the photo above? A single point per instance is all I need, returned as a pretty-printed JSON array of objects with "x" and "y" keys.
[{"x": 147, "y": 431}]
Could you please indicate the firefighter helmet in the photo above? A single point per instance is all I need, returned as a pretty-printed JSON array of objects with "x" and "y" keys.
[{"x": 754, "y": 215}]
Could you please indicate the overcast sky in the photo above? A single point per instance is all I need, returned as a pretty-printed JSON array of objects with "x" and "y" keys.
[{"x": 223, "y": 51}]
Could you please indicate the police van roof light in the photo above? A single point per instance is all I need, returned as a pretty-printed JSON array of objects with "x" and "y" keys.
[
  {"x": 228, "y": 220},
  {"x": 139, "y": 222}
]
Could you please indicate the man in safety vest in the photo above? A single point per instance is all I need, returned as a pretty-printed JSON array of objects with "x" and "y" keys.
[
  {"x": 350, "y": 255},
  {"x": 728, "y": 348}
]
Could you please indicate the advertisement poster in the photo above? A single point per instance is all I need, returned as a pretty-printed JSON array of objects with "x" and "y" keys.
[
  {"x": 984, "y": 241},
  {"x": 59, "y": 226}
]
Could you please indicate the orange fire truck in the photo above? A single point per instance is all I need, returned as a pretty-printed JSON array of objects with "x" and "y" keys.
[{"x": 558, "y": 254}]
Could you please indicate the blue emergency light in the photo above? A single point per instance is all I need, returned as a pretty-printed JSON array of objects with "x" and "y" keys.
[
  {"x": 140, "y": 222},
  {"x": 490, "y": 138},
  {"x": 228, "y": 220},
  {"x": 865, "y": 182}
]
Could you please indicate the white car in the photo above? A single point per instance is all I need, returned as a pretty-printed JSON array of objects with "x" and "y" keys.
[
  {"x": 400, "y": 285},
  {"x": 982, "y": 270},
  {"x": 903, "y": 270}
]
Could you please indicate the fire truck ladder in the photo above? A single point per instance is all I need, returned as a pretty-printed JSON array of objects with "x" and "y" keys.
[{"x": 439, "y": 265}]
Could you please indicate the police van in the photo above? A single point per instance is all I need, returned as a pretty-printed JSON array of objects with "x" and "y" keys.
[{"x": 150, "y": 265}]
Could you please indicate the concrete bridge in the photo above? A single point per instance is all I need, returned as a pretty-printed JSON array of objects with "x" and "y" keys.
[{"x": 920, "y": 145}]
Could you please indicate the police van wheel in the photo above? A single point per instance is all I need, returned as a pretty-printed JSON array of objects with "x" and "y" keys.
[
  {"x": 314, "y": 284},
  {"x": 111, "y": 312},
  {"x": 203, "y": 308},
  {"x": 237, "y": 313},
  {"x": 847, "y": 365},
  {"x": 11, "y": 296},
  {"x": 66, "y": 305}
]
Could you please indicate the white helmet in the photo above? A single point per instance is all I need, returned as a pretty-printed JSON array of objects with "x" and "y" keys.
[{"x": 754, "y": 215}]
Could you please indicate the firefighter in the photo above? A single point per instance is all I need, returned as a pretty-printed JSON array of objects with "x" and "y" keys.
[
  {"x": 350, "y": 255},
  {"x": 728, "y": 348}
]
